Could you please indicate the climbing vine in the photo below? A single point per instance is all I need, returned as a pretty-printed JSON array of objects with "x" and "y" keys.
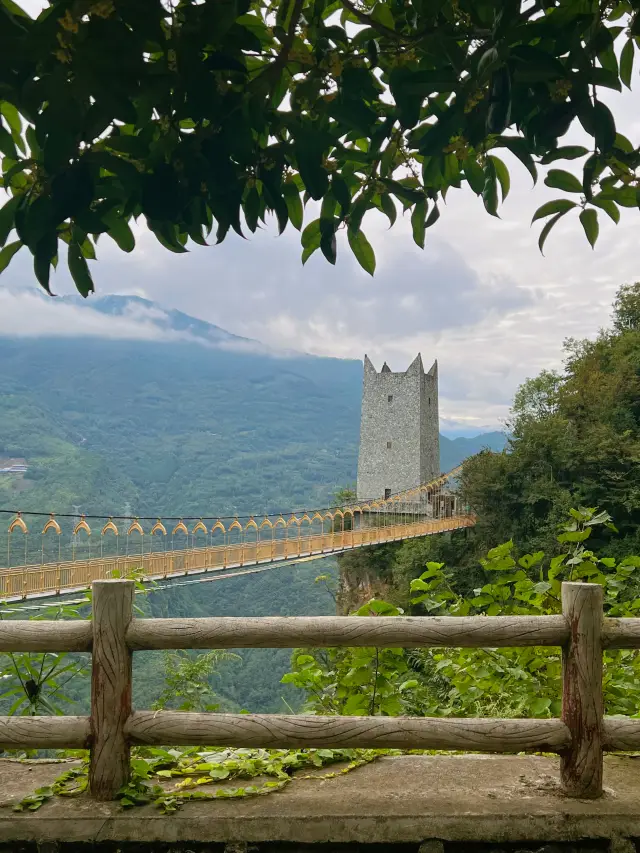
[{"x": 189, "y": 772}]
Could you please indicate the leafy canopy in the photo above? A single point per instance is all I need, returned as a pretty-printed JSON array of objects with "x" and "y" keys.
[
  {"x": 515, "y": 682},
  {"x": 575, "y": 438},
  {"x": 209, "y": 115}
]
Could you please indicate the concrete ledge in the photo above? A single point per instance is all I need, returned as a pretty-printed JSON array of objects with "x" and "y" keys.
[{"x": 395, "y": 800}]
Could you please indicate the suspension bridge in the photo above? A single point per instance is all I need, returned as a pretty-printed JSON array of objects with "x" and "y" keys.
[{"x": 49, "y": 554}]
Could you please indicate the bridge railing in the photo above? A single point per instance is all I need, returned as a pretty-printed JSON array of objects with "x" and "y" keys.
[
  {"x": 113, "y": 634},
  {"x": 32, "y": 580}
]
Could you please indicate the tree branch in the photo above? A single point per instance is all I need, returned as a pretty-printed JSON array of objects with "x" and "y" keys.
[{"x": 283, "y": 55}]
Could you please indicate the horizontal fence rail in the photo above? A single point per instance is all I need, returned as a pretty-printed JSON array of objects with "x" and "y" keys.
[
  {"x": 579, "y": 737},
  {"x": 290, "y": 632},
  {"x": 281, "y": 731}
]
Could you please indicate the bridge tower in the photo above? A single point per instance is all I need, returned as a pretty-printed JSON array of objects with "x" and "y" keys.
[{"x": 399, "y": 429}]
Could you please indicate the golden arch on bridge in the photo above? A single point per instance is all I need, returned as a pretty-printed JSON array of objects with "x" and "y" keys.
[
  {"x": 110, "y": 527},
  {"x": 34, "y": 570},
  {"x": 158, "y": 527}
]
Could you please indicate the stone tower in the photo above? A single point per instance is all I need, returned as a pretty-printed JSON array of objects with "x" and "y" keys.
[{"x": 399, "y": 430}]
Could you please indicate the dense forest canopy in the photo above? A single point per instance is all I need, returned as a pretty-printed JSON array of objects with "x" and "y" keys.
[
  {"x": 201, "y": 116},
  {"x": 573, "y": 440}
]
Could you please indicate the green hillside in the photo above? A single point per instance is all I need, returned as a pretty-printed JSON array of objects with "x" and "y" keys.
[{"x": 185, "y": 428}]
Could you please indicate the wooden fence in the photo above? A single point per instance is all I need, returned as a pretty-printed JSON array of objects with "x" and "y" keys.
[{"x": 579, "y": 736}]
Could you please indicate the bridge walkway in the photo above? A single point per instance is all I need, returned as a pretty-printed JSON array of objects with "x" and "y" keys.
[{"x": 48, "y": 579}]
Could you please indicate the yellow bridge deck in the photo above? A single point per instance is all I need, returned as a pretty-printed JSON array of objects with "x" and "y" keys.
[{"x": 48, "y": 579}]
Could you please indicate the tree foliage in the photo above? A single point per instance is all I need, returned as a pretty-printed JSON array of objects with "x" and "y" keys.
[
  {"x": 513, "y": 682},
  {"x": 575, "y": 438},
  {"x": 201, "y": 116},
  {"x": 526, "y": 681},
  {"x": 626, "y": 308}
]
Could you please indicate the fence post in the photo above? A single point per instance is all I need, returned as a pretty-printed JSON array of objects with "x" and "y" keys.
[
  {"x": 110, "y": 687},
  {"x": 582, "y": 700}
]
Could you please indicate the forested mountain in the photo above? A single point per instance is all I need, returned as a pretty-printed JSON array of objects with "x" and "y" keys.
[{"x": 205, "y": 424}]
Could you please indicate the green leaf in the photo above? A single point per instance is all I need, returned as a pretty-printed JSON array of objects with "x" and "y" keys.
[
  {"x": 361, "y": 248},
  {"x": 119, "y": 231},
  {"x": 490, "y": 189},
  {"x": 388, "y": 207},
  {"x": 8, "y": 252},
  {"x": 474, "y": 174},
  {"x": 433, "y": 217},
  {"x": 356, "y": 704},
  {"x": 43, "y": 256},
  {"x": 547, "y": 228},
  {"x": 167, "y": 235},
  {"x": 539, "y": 706},
  {"x": 251, "y": 207},
  {"x": 519, "y": 148},
  {"x": 418, "y": 218},
  {"x": 623, "y": 144},
  {"x": 566, "y": 152},
  {"x": 79, "y": 270},
  {"x": 310, "y": 239},
  {"x": 598, "y": 121},
  {"x": 489, "y": 60},
  {"x": 15, "y": 9},
  {"x": 589, "y": 220},
  {"x": 562, "y": 180},
  {"x": 575, "y": 535},
  {"x": 382, "y": 15},
  {"x": 7, "y": 145},
  {"x": 294, "y": 204},
  {"x": 605, "y": 126},
  {"x": 626, "y": 62},
  {"x": 312, "y": 172},
  {"x": 7, "y": 213},
  {"x": 499, "y": 115},
  {"x": 341, "y": 193},
  {"x": 14, "y": 121},
  {"x": 609, "y": 207},
  {"x": 502, "y": 173},
  {"x": 593, "y": 168},
  {"x": 328, "y": 244},
  {"x": 559, "y": 205}
]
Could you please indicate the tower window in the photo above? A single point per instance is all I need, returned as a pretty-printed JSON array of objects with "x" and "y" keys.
[
  {"x": 390, "y": 398},
  {"x": 429, "y": 400},
  {"x": 388, "y": 445},
  {"x": 387, "y": 494}
]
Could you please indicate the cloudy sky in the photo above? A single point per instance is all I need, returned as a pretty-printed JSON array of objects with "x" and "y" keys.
[{"x": 480, "y": 298}]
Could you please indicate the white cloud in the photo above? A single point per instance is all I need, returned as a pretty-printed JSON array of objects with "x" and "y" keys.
[
  {"x": 480, "y": 298},
  {"x": 27, "y": 314}
]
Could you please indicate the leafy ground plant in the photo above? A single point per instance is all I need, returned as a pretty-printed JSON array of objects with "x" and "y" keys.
[{"x": 195, "y": 770}]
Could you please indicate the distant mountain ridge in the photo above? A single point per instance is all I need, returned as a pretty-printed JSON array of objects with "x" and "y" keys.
[
  {"x": 180, "y": 428},
  {"x": 166, "y": 319},
  {"x": 171, "y": 320}
]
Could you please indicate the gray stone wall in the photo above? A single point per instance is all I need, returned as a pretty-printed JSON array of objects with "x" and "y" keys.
[{"x": 399, "y": 429}]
